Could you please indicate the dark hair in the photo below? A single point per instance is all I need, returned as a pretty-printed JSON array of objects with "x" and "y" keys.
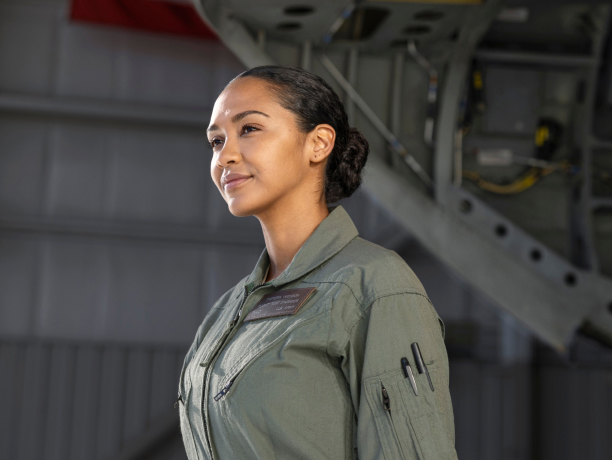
[{"x": 314, "y": 102}]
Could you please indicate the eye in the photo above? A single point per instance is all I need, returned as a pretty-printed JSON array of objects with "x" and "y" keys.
[
  {"x": 248, "y": 129},
  {"x": 215, "y": 141}
]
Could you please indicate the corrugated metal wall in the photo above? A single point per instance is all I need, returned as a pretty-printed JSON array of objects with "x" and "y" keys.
[
  {"x": 110, "y": 228},
  {"x": 114, "y": 243},
  {"x": 73, "y": 400}
]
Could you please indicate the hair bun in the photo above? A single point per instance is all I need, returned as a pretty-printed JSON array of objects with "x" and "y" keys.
[{"x": 344, "y": 171}]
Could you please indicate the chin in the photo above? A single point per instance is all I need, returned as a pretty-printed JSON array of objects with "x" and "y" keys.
[{"x": 240, "y": 207}]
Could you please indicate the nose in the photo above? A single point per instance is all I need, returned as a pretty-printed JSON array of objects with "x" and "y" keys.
[{"x": 228, "y": 155}]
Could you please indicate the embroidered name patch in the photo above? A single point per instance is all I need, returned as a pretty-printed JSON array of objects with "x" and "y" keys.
[{"x": 280, "y": 303}]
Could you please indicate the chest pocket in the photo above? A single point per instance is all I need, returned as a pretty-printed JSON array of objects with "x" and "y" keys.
[{"x": 256, "y": 337}]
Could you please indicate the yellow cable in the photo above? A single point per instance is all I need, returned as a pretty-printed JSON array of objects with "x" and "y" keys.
[{"x": 524, "y": 182}]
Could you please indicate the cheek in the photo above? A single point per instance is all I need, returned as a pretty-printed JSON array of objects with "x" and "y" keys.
[{"x": 215, "y": 173}]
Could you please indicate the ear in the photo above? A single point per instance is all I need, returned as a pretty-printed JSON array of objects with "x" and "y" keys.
[{"x": 321, "y": 143}]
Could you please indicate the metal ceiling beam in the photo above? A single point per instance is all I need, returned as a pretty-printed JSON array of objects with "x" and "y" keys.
[
  {"x": 551, "y": 312},
  {"x": 146, "y": 231},
  {"x": 91, "y": 109}
]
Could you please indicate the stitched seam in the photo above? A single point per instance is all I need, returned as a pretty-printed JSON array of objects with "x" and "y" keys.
[
  {"x": 379, "y": 295},
  {"x": 364, "y": 311},
  {"x": 335, "y": 282},
  {"x": 240, "y": 366},
  {"x": 327, "y": 349},
  {"x": 382, "y": 297}
]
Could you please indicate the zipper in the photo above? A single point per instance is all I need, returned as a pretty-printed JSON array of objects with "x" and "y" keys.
[
  {"x": 224, "y": 390},
  {"x": 386, "y": 400},
  {"x": 231, "y": 378},
  {"x": 180, "y": 398},
  {"x": 387, "y": 406},
  {"x": 211, "y": 361}
]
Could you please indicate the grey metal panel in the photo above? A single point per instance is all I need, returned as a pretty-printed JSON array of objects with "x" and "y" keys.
[
  {"x": 374, "y": 84},
  {"x": 31, "y": 62},
  {"x": 80, "y": 400},
  {"x": 11, "y": 379},
  {"x": 59, "y": 419},
  {"x": 86, "y": 60},
  {"x": 102, "y": 62},
  {"x": 513, "y": 97},
  {"x": 112, "y": 401},
  {"x": 158, "y": 176},
  {"x": 138, "y": 387},
  {"x": 490, "y": 408},
  {"x": 73, "y": 291},
  {"x": 153, "y": 293},
  {"x": 34, "y": 402},
  {"x": 224, "y": 267},
  {"x": 373, "y": 222},
  {"x": 173, "y": 71},
  {"x": 18, "y": 261},
  {"x": 164, "y": 383},
  {"x": 283, "y": 52},
  {"x": 575, "y": 409},
  {"x": 491, "y": 402},
  {"x": 516, "y": 425},
  {"x": 78, "y": 171},
  {"x": 172, "y": 450},
  {"x": 602, "y": 226},
  {"x": 86, "y": 403},
  {"x": 100, "y": 288},
  {"x": 465, "y": 393},
  {"x": 22, "y": 147}
]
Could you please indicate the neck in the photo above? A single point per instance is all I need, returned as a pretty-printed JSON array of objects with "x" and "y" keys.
[{"x": 285, "y": 231}]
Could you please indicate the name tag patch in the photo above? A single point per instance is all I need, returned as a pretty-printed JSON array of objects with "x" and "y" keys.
[{"x": 280, "y": 303}]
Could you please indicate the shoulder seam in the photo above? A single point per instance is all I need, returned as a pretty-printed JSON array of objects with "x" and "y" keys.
[
  {"x": 335, "y": 282},
  {"x": 378, "y": 296},
  {"x": 362, "y": 311}
]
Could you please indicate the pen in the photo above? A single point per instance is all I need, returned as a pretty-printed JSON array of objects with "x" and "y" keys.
[
  {"x": 421, "y": 367},
  {"x": 409, "y": 375}
]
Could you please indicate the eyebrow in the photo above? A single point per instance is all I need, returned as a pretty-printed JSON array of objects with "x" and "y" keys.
[{"x": 239, "y": 116}]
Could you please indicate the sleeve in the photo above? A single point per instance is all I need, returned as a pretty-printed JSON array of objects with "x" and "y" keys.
[{"x": 392, "y": 421}]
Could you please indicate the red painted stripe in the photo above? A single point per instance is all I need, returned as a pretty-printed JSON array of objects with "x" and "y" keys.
[{"x": 150, "y": 15}]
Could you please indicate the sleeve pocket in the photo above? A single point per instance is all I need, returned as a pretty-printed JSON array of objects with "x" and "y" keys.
[{"x": 409, "y": 426}]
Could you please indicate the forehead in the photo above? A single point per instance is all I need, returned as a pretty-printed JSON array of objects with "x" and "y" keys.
[{"x": 241, "y": 95}]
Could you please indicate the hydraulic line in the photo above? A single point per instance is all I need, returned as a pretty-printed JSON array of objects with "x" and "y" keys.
[{"x": 524, "y": 182}]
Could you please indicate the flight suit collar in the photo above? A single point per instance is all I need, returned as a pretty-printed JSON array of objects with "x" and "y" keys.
[{"x": 332, "y": 234}]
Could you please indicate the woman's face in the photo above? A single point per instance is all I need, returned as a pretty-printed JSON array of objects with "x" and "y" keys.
[{"x": 260, "y": 158}]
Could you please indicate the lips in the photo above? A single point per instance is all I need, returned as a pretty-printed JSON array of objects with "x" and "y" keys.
[{"x": 233, "y": 180}]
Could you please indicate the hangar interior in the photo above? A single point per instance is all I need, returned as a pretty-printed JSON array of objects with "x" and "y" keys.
[{"x": 490, "y": 125}]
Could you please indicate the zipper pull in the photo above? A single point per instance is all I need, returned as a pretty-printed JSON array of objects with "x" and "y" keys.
[
  {"x": 386, "y": 400},
  {"x": 180, "y": 398},
  {"x": 239, "y": 312},
  {"x": 235, "y": 320},
  {"x": 224, "y": 391}
]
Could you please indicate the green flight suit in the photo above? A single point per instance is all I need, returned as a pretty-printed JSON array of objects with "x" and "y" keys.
[{"x": 309, "y": 385}]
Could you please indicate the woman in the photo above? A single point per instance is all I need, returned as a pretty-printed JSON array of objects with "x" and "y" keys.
[{"x": 311, "y": 356}]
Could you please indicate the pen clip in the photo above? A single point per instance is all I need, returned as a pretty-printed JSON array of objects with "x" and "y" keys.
[
  {"x": 409, "y": 375},
  {"x": 420, "y": 363}
]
